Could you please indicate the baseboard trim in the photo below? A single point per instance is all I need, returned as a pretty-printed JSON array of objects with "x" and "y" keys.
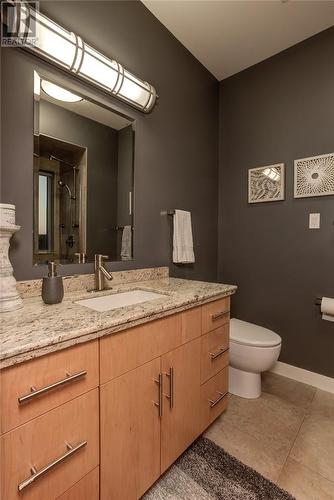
[{"x": 311, "y": 378}]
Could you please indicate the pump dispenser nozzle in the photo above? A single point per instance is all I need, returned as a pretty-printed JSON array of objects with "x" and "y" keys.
[{"x": 52, "y": 269}]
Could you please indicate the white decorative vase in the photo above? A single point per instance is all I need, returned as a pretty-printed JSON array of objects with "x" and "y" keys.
[
  {"x": 10, "y": 300},
  {"x": 7, "y": 215}
]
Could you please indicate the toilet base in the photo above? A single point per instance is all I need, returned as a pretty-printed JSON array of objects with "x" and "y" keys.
[{"x": 244, "y": 384}]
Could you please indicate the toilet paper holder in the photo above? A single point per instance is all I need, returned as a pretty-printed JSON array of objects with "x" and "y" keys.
[{"x": 318, "y": 301}]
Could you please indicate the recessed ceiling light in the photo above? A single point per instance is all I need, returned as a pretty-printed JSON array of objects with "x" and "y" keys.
[{"x": 59, "y": 93}]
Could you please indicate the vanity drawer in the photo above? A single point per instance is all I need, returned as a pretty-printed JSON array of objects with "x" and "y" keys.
[
  {"x": 214, "y": 352},
  {"x": 43, "y": 441},
  {"x": 215, "y": 314},
  {"x": 124, "y": 351},
  {"x": 214, "y": 398},
  {"x": 86, "y": 489},
  {"x": 49, "y": 375}
]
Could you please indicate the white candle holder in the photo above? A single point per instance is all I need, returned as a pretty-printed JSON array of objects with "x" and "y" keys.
[{"x": 10, "y": 299}]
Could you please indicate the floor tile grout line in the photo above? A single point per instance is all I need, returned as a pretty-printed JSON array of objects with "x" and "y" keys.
[
  {"x": 292, "y": 445},
  {"x": 307, "y": 410},
  {"x": 235, "y": 426},
  {"x": 306, "y": 414},
  {"x": 251, "y": 466},
  {"x": 312, "y": 470}
]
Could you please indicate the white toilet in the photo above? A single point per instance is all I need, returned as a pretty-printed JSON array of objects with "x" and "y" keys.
[{"x": 253, "y": 349}]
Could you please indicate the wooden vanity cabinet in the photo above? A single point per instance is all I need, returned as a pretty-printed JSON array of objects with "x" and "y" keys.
[
  {"x": 42, "y": 441},
  {"x": 215, "y": 314},
  {"x": 50, "y": 426},
  {"x": 158, "y": 384},
  {"x": 214, "y": 352},
  {"x": 122, "y": 352},
  {"x": 214, "y": 398},
  {"x": 149, "y": 416},
  {"x": 131, "y": 402},
  {"x": 57, "y": 377}
]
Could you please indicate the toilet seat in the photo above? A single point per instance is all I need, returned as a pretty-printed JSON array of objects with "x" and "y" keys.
[{"x": 244, "y": 333}]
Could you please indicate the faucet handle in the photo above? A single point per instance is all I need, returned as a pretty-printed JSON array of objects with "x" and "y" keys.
[
  {"x": 99, "y": 257},
  {"x": 81, "y": 257}
]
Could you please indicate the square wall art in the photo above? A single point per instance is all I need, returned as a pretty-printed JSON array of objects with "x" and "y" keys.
[
  {"x": 314, "y": 176},
  {"x": 266, "y": 183}
]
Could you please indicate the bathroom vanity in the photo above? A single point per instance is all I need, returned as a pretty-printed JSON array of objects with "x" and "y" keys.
[
  {"x": 102, "y": 392},
  {"x": 100, "y": 404}
]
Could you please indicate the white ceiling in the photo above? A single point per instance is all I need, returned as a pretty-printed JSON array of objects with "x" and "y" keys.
[{"x": 229, "y": 36}]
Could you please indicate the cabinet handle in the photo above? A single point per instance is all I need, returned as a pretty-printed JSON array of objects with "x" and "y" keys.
[
  {"x": 219, "y": 315},
  {"x": 159, "y": 381},
  {"x": 36, "y": 474},
  {"x": 170, "y": 396},
  {"x": 37, "y": 392},
  {"x": 220, "y": 352},
  {"x": 214, "y": 402}
]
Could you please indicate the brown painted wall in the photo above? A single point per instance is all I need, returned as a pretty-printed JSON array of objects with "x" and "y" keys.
[
  {"x": 278, "y": 111},
  {"x": 176, "y": 158}
]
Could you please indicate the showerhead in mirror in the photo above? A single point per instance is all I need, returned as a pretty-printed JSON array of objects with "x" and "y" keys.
[{"x": 62, "y": 184}]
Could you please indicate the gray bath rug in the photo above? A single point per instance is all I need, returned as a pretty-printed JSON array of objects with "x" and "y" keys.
[{"x": 206, "y": 472}]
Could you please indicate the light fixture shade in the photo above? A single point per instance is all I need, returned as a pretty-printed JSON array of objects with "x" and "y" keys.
[
  {"x": 68, "y": 50},
  {"x": 58, "y": 92}
]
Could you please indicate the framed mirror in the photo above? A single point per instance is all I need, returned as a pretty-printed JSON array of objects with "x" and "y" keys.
[{"x": 83, "y": 178}]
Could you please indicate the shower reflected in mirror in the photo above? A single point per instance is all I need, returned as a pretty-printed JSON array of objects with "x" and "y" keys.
[{"x": 83, "y": 179}]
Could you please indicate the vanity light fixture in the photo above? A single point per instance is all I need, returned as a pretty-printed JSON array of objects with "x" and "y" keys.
[
  {"x": 59, "y": 93},
  {"x": 69, "y": 51}
]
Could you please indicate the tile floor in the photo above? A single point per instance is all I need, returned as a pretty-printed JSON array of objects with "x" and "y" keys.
[{"x": 287, "y": 435}]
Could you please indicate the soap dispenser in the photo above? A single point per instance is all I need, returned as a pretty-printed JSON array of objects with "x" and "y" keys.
[{"x": 52, "y": 287}]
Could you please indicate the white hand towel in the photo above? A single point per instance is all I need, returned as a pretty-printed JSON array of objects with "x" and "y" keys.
[
  {"x": 183, "y": 248},
  {"x": 126, "y": 250}
]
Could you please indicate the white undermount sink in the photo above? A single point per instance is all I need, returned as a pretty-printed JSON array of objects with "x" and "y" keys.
[{"x": 117, "y": 300}]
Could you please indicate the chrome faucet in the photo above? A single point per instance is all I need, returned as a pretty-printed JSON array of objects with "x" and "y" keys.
[{"x": 100, "y": 272}]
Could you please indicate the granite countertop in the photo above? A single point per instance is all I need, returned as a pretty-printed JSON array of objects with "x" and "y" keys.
[{"x": 38, "y": 329}]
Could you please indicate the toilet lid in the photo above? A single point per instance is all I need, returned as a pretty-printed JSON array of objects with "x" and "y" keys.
[{"x": 246, "y": 333}]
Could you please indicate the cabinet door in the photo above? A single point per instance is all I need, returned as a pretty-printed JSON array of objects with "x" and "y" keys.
[
  {"x": 130, "y": 433},
  {"x": 181, "y": 412}
]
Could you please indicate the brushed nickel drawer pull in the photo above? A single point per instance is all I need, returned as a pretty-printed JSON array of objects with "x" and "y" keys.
[
  {"x": 159, "y": 381},
  {"x": 214, "y": 402},
  {"x": 170, "y": 396},
  {"x": 220, "y": 352},
  {"x": 37, "y": 392},
  {"x": 219, "y": 315},
  {"x": 36, "y": 474}
]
